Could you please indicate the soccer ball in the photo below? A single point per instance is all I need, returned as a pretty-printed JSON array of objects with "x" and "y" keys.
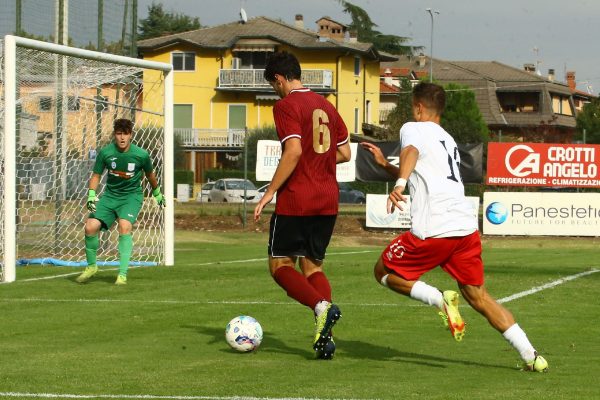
[{"x": 243, "y": 333}]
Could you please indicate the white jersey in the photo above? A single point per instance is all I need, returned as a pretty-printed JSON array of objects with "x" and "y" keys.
[{"x": 439, "y": 207}]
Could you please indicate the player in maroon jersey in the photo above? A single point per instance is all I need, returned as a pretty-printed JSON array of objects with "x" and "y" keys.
[{"x": 314, "y": 139}]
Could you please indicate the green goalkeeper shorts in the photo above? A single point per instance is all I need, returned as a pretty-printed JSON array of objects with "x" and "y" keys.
[{"x": 110, "y": 208}]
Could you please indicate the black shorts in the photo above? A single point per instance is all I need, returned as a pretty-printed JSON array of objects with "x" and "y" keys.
[{"x": 300, "y": 236}]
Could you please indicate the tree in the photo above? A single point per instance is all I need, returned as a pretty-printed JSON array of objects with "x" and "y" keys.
[
  {"x": 462, "y": 117},
  {"x": 266, "y": 132},
  {"x": 366, "y": 32},
  {"x": 159, "y": 23},
  {"x": 402, "y": 113},
  {"x": 589, "y": 119}
]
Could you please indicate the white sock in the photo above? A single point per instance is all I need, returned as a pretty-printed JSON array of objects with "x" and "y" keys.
[
  {"x": 426, "y": 294},
  {"x": 321, "y": 307},
  {"x": 518, "y": 339}
]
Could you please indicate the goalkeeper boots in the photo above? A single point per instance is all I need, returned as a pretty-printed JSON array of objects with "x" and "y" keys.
[
  {"x": 451, "y": 315},
  {"x": 89, "y": 271},
  {"x": 538, "y": 364},
  {"x": 121, "y": 280},
  {"x": 323, "y": 325}
]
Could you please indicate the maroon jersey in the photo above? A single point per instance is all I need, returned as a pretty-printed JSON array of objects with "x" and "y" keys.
[{"x": 312, "y": 189}]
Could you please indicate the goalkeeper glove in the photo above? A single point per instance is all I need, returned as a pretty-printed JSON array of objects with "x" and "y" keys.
[
  {"x": 91, "y": 201},
  {"x": 158, "y": 196}
]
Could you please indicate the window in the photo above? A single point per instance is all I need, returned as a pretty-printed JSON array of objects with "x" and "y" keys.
[
  {"x": 561, "y": 104},
  {"x": 184, "y": 61},
  {"x": 251, "y": 59},
  {"x": 520, "y": 102},
  {"x": 356, "y": 120},
  {"x": 73, "y": 103},
  {"x": 356, "y": 66},
  {"x": 45, "y": 103}
]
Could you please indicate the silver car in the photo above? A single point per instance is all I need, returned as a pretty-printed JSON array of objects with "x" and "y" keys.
[{"x": 231, "y": 190}]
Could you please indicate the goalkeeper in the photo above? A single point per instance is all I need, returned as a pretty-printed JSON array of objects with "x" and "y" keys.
[{"x": 122, "y": 198}]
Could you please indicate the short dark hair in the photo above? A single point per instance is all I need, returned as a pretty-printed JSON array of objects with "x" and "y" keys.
[
  {"x": 432, "y": 96},
  {"x": 123, "y": 125},
  {"x": 284, "y": 64}
]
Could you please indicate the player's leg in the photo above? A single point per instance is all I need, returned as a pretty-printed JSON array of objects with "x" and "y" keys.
[
  {"x": 317, "y": 232},
  {"x": 125, "y": 246},
  {"x": 286, "y": 243},
  {"x": 401, "y": 265},
  {"x": 503, "y": 321},
  {"x": 91, "y": 229},
  {"x": 326, "y": 313},
  {"x": 128, "y": 210}
]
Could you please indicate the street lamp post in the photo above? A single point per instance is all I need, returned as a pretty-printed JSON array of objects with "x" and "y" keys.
[{"x": 431, "y": 12}]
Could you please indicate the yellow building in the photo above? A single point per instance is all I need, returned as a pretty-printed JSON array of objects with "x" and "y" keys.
[{"x": 220, "y": 90}]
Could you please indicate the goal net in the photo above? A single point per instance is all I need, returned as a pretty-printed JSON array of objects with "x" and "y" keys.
[{"x": 57, "y": 108}]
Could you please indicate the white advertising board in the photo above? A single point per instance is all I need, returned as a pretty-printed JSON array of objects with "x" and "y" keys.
[
  {"x": 377, "y": 216},
  {"x": 540, "y": 213},
  {"x": 268, "y": 153}
]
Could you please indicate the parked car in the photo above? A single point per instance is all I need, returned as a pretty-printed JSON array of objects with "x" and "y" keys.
[
  {"x": 261, "y": 193},
  {"x": 203, "y": 195},
  {"x": 231, "y": 190},
  {"x": 349, "y": 195}
]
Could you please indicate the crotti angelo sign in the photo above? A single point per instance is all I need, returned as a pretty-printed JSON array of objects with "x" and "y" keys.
[{"x": 543, "y": 164}]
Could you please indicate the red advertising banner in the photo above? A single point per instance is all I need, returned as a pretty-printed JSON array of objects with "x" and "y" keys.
[{"x": 543, "y": 164}]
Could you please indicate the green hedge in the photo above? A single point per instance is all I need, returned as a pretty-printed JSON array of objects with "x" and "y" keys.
[{"x": 183, "y": 176}]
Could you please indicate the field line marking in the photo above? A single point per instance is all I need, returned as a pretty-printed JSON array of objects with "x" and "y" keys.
[
  {"x": 201, "y": 264},
  {"x": 546, "y": 286},
  {"x": 191, "y": 302},
  {"x": 146, "y": 396}
]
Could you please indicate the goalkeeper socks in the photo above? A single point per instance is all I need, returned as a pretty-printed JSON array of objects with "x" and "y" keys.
[
  {"x": 319, "y": 281},
  {"x": 427, "y": 294},
  {"x": 518, "y": 339},
  {"x": 125, "y": 248},
  {"x": 91, "y": 249},
  {"x": 297, "y": 286}
]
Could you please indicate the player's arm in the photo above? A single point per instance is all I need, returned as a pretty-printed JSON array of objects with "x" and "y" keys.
[
  {"x": 408, "y": 160},
  {"x": 92, "y": 187},
  {"x": 292, "y": 150},
  {"x": 158, "y": 196},
  {"x": 380, "y": 159},
  {"x": 343, "y": 153}
]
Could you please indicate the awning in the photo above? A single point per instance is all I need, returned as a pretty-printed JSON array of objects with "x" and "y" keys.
[{"x": 255, "y": 45}]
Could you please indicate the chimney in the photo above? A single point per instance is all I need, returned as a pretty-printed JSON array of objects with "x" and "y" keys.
[
  {"x": 551, "y": 75},
  {"x": 421, "y": 60},
  {"x": 529, "y": 67},
  {"x": 299, "y": 23},
  {"x": 571, "y": 80},
  {"x": 387, "y": 77}
]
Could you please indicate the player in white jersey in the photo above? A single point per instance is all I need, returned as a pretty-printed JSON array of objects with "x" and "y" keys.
[{"x": 444, "y": 227}]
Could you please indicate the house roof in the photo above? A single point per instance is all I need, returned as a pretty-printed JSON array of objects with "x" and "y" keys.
[
  {"x": 226, "y": 36},
  {"x": 486, "y": 79},
  {"x": 332, "y": 20},
  {"x": 386, "y": 89}
]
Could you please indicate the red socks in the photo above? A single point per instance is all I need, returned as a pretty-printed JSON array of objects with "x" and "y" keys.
[
  {"x": 319, "y": 281},
  {"x": 298, "y": 287}
]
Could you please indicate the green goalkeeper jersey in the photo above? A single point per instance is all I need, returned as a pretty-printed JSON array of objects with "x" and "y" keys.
[{"x": 125, "y": 169}]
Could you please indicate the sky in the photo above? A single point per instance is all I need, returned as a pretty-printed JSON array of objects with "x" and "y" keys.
[{"x": 553, "y": 34}]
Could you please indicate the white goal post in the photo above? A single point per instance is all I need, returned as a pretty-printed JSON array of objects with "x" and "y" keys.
[{"x": 57, "y": 106}]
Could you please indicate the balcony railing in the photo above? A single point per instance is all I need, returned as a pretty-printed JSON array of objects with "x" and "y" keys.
[
  {"x": 191, "y": 137},
  {"x": 253, "y": 78}
]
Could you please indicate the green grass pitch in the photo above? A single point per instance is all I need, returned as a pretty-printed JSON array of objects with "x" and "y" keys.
[{"x": 162, "y": 336}]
